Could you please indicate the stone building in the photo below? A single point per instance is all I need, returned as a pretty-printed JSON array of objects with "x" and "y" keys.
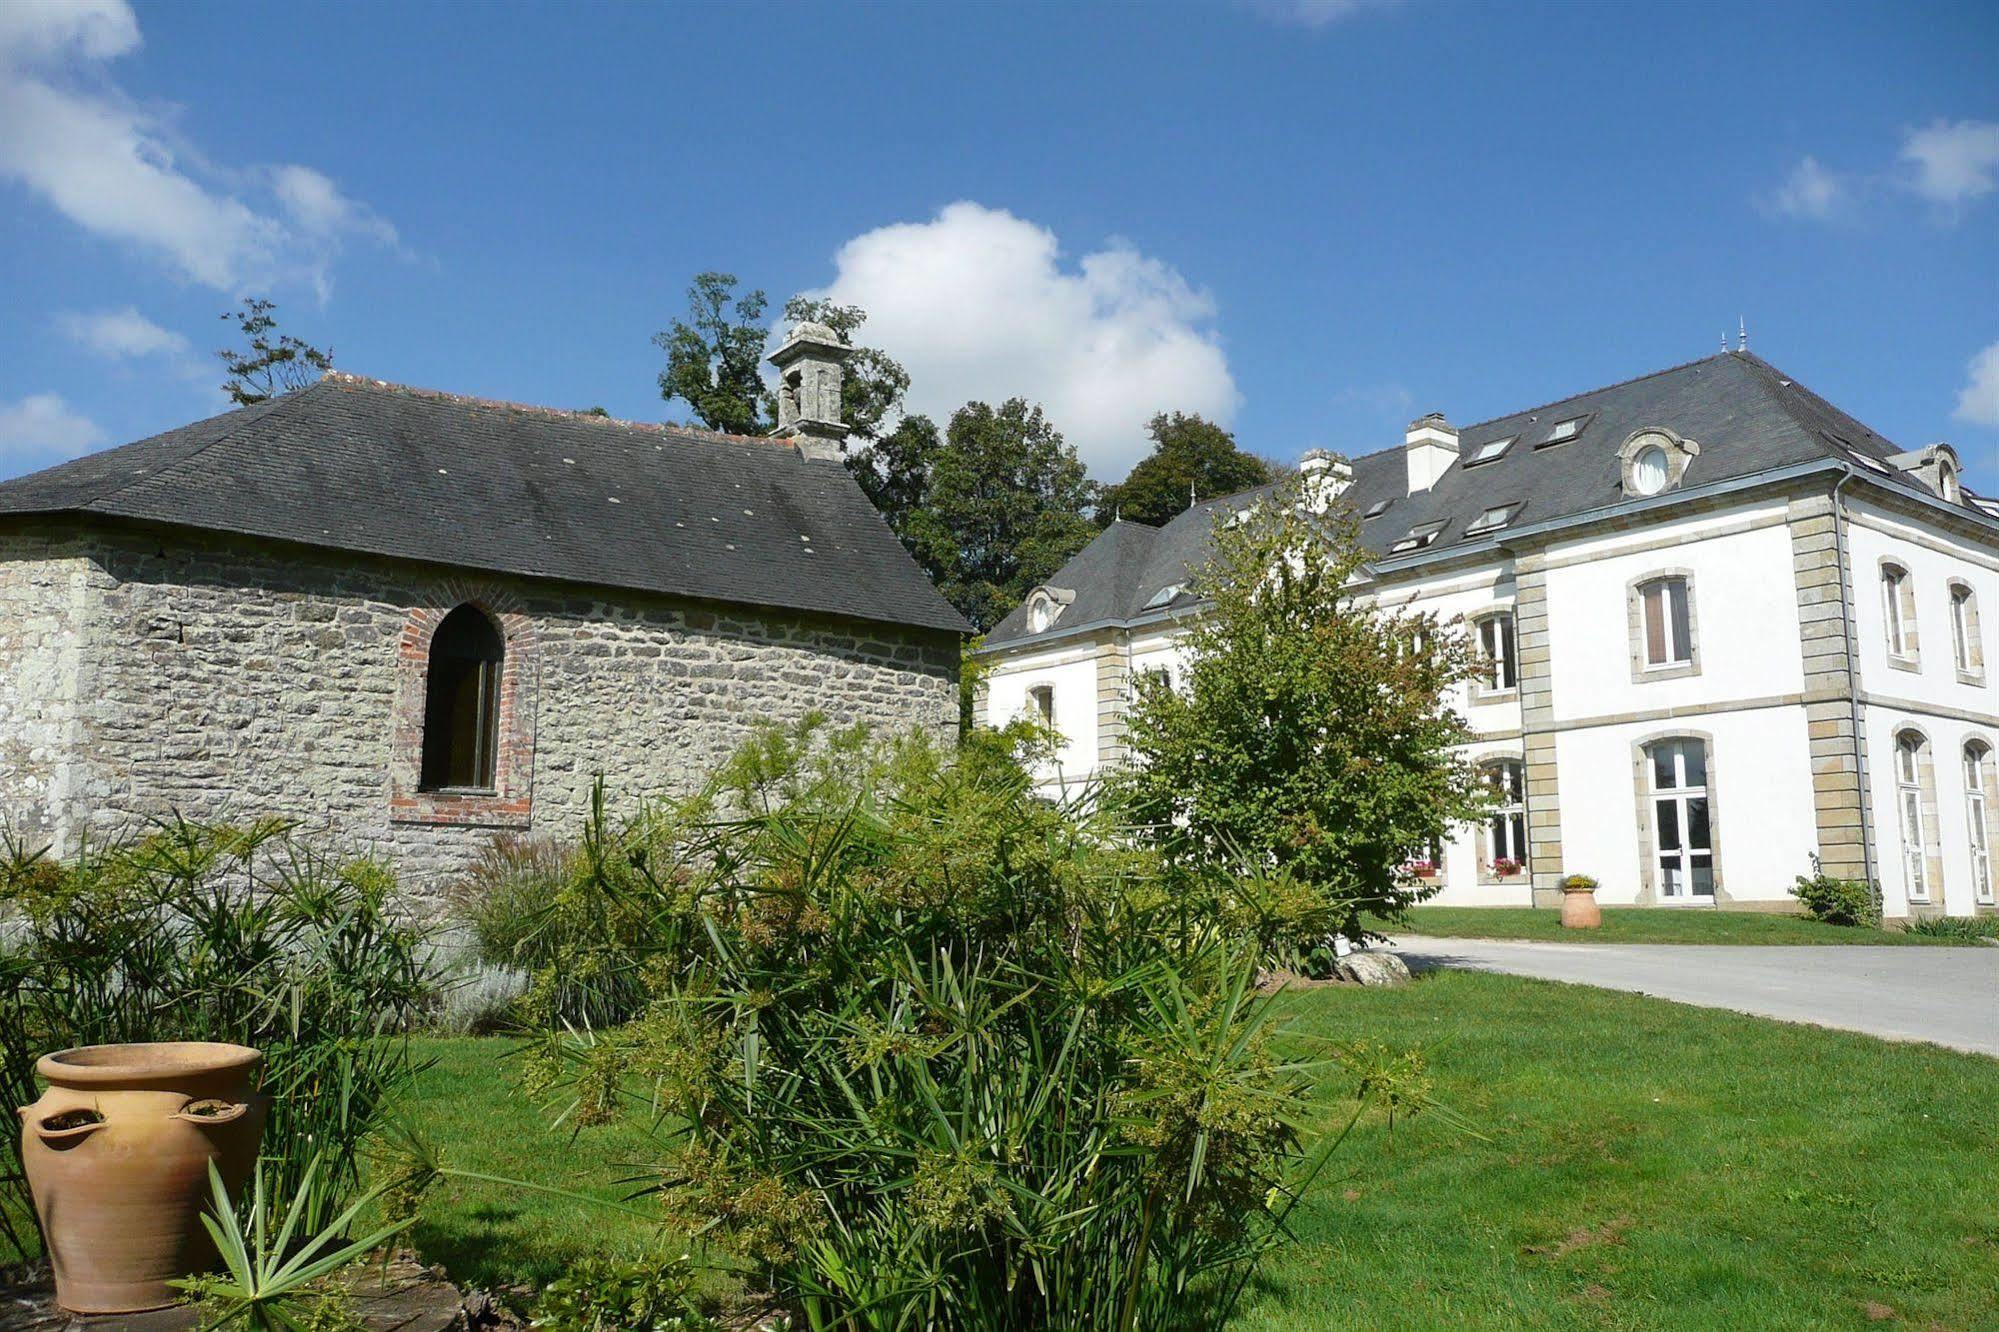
[
  {"x": 412, "y": 620},
  {"x": 1726, "y": 626}
]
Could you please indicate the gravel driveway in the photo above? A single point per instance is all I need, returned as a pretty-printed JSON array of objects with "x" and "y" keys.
[{"x": 1946, "y": 995}]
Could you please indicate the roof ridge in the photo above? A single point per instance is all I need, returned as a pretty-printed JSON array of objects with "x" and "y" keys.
[
  {"x": 346, "y": 377},
  {"x": 1569, "y": 397}
]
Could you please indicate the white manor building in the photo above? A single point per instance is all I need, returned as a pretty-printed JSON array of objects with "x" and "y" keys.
[{"x": 1727, "y": 627}]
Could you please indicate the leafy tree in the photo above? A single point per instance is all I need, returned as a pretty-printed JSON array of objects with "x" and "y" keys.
[
  {"x": 1005, "y": 507},
  {"x": 269, "y": 363},
  {"x": 714, "y": 358},
  {"x": 1190, "y": 454},
  {"x": 894, "y": 470},
  {"x": 1312, "y": 735}
]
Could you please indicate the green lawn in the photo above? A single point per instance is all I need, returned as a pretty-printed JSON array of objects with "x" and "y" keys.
[
  {"x": 1646, "y": 925},
  {"x": 1649, "y": 1165}
]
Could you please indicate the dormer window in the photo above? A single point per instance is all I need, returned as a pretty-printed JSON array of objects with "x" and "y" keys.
[
  {"x": 1379, "y": 507},
  {"x": 1045, "y": 606},
  {"x": 1163, "y": 597},
  {"x": 1417, "y": 537},
  {"x": 1564, "y": 430},
  {"x": 1491, "y": 520},
  {"x": 1947, "y": 483},
  {"x": 1490, "y": 451},
  {"x": 1654, "y": 460}
]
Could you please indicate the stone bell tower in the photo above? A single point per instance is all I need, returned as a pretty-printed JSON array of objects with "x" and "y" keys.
[{"x": 811, "y": 364}]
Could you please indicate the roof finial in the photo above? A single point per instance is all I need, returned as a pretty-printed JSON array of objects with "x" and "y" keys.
[
  {"x": 1191, "y": 501},
  {"x": 1742, "y": 333},
  {"x": 1724, "y": 339}
]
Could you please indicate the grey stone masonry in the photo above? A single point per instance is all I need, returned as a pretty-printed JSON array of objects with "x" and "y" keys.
[
  {"x": 1838, "y": 750},
  {"x": 1537, "y": 714},
  {"x": 145, "y": 671}
]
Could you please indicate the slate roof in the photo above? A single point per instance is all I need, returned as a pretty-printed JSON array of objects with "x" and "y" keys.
[
  {"x": 358, "y": 465},
  {"x": 1748, "y": 417}
]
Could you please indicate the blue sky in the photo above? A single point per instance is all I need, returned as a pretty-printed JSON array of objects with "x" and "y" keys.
[{"x": 1313, "y": 218}]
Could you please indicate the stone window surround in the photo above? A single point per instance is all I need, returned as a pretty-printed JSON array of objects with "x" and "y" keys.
[
  {"x": 1680, "y": 454},
  {"x": 1634, "y": 605},
  {"x": 510, "y": 803},
  {"x": 1641, "y": 777},
  {"x": 1481, "y": 691},
  {"x": 1926, "y": 787},
  {"x": 1988, "y": 770},
  {"x": 1911, "y": 659},
  {"x": 1965, "y": 621},
  {"x": 1486, "y": 877}
]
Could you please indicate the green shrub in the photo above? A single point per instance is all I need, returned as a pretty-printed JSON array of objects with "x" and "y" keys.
[
  {"x": 1837, "y": 901},
  {"x": 210, "y": 932},
  {"x": 603, "y": 1294},
  {"x": 1968, "y": 929},
  {"x": 931, "y": 1053}
]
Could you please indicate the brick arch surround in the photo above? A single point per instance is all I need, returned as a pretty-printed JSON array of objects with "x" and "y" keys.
[{"x": 511, "y": 803}]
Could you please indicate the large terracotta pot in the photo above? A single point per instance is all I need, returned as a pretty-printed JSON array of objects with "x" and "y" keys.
[
  {"x": 1579, "y": 908},
  {"x": 117, "y": 1152}
]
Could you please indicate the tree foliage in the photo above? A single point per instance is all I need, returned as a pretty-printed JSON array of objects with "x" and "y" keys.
[
  {"x": 714, "y": 357},
  {"x": 1190, "y": 456},
  {"x": 268, "y": 363},
  {"x": 1312, "y": 734},
  {"x": 1005, "y": 506}
]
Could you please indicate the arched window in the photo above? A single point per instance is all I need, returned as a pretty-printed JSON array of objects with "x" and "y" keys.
[
  {"x": 1966, "y": 639},
  {"x": 1506, "y": 832},
  {"x": 1898, "y": 610},
  {"x": 1682, "y": 837},
  {"x": 1981, "y": 794},
  {"x": 1915, "y": 803},
  {"x": 461, "y": 706}
]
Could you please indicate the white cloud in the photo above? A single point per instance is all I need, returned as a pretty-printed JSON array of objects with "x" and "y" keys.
[
  {"x": 118, "y": 170},
  {"x": 1811, "y": 191},
  {"x": 1314, "y": 13},
  {"x": 1978, "y": 401},
  {"x": 41, "y": 429},
  {"x": 123, "y": 334},
  {"x": 1954, "y": 163},
  {"x": 976, "y": 303}
]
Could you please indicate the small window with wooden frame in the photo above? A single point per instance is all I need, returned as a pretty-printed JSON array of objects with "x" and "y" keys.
[
  {"x": 1664, "y": 625},
  {"x": 461, "y": 709},
  {"x": 462, "y": 745}
]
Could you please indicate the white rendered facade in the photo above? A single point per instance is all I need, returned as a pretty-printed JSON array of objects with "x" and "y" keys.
[{"x": 1698, "y": 748}]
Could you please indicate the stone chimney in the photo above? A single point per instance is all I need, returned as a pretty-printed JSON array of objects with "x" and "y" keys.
[
  {"x": 1325, "y": 477},
  {"x": 1430, "y": 446},
  {"x": 811, "y": 364}
]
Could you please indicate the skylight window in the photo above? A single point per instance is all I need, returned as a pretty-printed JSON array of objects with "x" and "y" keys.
[
  {"x": 1491, "y": 451},
  {"x": 1419, "y": 536},
  {"x": 1379, "y": 507},
  {"x": 1163, "y": 596},
  {"x": 1564, "y": 430},
  {"x": 1491, "y": 520}
]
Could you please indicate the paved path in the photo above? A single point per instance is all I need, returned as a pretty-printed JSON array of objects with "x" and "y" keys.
[{"x": 1946, "y": 995}]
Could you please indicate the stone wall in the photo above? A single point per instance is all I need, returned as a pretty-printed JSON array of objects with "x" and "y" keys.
[{"x": 226, "y": 677}]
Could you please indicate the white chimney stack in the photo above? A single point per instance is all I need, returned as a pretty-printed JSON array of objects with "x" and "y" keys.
[
  {"x": 1430, "y": 446},
  {"x": 1325, "y": 477}
]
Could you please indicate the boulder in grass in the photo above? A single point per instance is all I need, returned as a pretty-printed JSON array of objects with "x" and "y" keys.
[{"x": 1370, "y": 967}]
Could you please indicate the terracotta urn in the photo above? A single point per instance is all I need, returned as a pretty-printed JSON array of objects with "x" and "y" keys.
[
  {"x": 117, "y": 1154},
  {"x": 1579, "y": 908}
]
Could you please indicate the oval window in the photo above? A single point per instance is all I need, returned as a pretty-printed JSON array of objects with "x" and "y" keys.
[
  {"x": 1038, "y": 617},
  {"x": 1649, "y": 470}
]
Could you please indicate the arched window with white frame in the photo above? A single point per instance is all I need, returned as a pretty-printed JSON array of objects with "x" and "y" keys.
[
  {"x": 1681, "y": 818},
  {"x": 1505, "y": 832},
  {"x": 1497, "y": 643},
  {"x": 1966, "y": 637},
  {"x": 1915, "y": 804},
  {"x": 1898, "y": 614},
  {"x": 1981, "y": 797}
]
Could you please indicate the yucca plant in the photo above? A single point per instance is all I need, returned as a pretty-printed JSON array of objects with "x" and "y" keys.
[{"x": 275, "y": 1268}]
